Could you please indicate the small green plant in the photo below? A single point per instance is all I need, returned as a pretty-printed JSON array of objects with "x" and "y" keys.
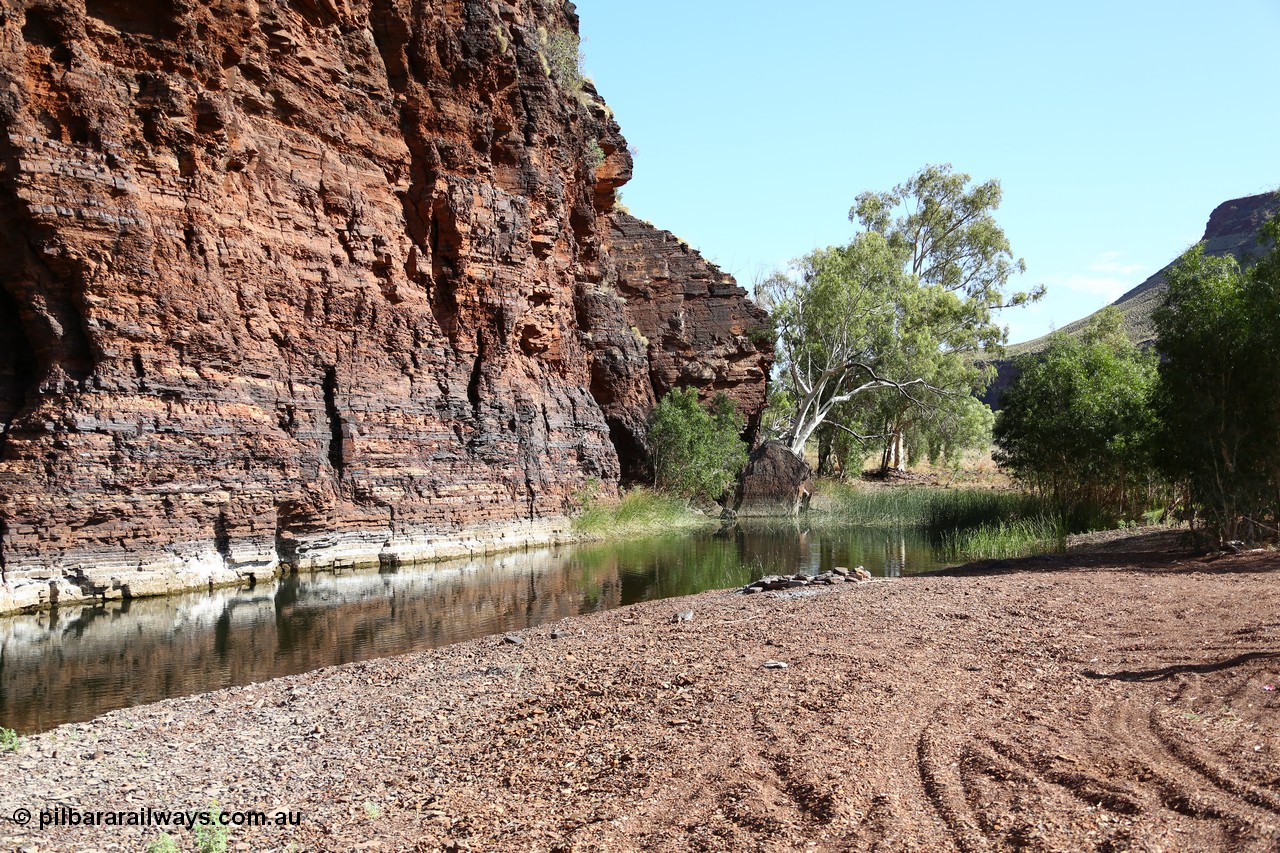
[
  {"x": 761, "y": 334},
  {"x": 372, "y": 810},
  {"x": 212, "y": 837},
  {"x": 595, "y": 154},
  {"x": 9, "y": 740},
  {"x": 504, "y": 43},
  {"x": 163, "y": 843},
  {"x": 562, "y": 57}
]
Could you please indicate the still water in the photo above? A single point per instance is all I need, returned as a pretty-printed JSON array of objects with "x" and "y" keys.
[{"x": 73, "y": 664}]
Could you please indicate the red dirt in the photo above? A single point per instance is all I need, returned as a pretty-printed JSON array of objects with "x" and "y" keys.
[{"x": 1108, "y": 700}]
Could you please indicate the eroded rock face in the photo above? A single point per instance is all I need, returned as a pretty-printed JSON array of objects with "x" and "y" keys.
[
  {"x": 299, "y": 281},
  {"x": 686, "y": 323}
]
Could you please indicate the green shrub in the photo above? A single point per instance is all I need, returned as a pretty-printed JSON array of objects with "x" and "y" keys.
[
  {"x": 212, "y": 837},
  {"x": 163, "y": 843},
  {"x": 1077, "y": 423},
  {"x": 1218, "y": 399},
  {"x": 562, "y": 55},
  {"x": 9, "y": 740},
  {"x": 697, "y": 453}
]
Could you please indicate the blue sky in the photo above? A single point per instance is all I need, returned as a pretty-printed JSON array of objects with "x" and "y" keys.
[{"x": 1114, "y": 127}]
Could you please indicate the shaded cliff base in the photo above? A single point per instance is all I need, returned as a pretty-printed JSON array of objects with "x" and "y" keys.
[
  {"x": 207, "y": 565},
  {"x": 1110, "y": 700}
]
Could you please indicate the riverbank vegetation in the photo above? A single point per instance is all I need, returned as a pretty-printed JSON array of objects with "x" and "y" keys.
[
  {"x": 1218, "y": 398},
  {"x": 698, "y": 452},
  {"x": 875, "y": 343},
  {"x": 1077, "y": 426},
  {"x": 639, "y": 512},
  {"x": 875, "y": 338},
  {"x": 1099, "y": 427},
  {"x": 962, "y": 523}
]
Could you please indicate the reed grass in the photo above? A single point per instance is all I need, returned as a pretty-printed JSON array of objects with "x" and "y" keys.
[
  {"x": 1018, "y": 538},
  {"x": 932, "y": 509},
  {"x": 640, "y": 512},
  {"x": 963, "y": 523}
]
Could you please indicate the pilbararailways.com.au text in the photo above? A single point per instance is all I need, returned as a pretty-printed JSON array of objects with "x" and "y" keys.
[{"x": 157, "y": 818}]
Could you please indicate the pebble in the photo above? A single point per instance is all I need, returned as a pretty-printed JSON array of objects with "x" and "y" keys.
[
  {"x": 558, "y": 633},
  {"x": 683, "y": 616},
  {"x": 774, "y": 664},
  {"x": 513, "y": 639}
]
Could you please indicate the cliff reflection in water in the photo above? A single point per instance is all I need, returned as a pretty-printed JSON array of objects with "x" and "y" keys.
[{"x": 76, "y": 663}]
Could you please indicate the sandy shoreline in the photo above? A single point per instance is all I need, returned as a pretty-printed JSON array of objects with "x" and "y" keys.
[{"x": 1106, "y": 701}]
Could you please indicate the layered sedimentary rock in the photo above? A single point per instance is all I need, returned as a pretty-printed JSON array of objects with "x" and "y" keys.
[
  {"x": 686, "y": 324},
  {"x": 296, "y": 282}
]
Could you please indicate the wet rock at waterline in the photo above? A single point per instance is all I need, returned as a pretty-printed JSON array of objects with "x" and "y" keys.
[{"x": 797, "y": 581}]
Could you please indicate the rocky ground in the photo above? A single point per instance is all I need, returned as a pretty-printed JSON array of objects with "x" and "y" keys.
[{"x": 1117, "y": 698}]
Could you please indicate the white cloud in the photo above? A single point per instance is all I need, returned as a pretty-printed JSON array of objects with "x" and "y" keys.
[{"x": 1107, "y": 277}]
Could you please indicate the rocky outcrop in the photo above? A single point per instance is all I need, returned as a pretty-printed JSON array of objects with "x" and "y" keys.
[
  {"x": 775, "y": 483},
  {"x": 687, "y": 324},
  {"x": 286, "y": 282}
]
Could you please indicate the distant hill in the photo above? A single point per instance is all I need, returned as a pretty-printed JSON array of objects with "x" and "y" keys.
[{"x": 1232, "y": 230}]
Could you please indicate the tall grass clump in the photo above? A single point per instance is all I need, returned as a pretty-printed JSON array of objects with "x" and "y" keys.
[
  {"x": 994, "y": 541},
  {"x": 640, "y": 512},
  {"x": 971, "y": 509},
  {"x": 971, "y": 524},
  {"x": 934, "y": 510}
]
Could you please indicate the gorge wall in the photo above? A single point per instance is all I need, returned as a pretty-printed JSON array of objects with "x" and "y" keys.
[{"x": 289, "y": 282}]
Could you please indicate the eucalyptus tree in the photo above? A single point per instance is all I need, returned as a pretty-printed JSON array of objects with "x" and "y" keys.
[{"x": 898, "y": 310}]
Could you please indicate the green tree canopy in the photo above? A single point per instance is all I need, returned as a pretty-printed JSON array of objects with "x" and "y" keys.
[
  {"x": 1077, "y": 422},
  {"x": 1219, "y": 396},
  {"x": 898, "y": 309}
]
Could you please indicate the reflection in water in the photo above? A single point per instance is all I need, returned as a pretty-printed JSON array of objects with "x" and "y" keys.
[{"x": 73, "y": 664}]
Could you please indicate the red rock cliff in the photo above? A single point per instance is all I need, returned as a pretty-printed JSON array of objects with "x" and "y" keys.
[{"x": 314, "y": 280}]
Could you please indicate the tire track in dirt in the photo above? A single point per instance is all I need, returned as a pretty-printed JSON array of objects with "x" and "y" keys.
[
  {"x": 937, "y": 763},
  {"x": 1204, "y": 762},
  {"x": 1183, "y": 787}
]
